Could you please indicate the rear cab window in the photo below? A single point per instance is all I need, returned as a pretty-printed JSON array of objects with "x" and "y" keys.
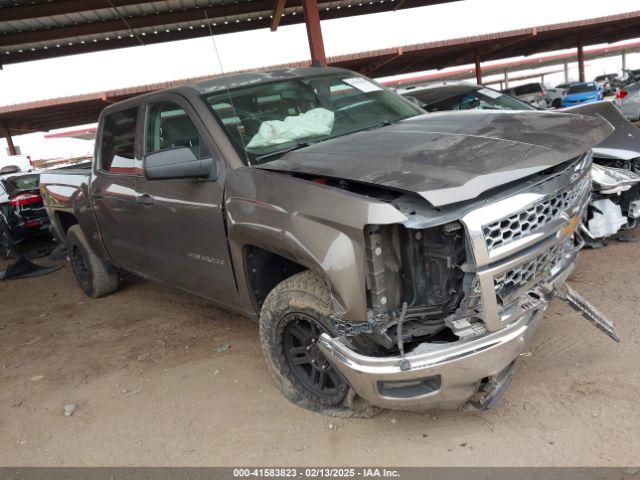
[{"x": 118, "y": 140}]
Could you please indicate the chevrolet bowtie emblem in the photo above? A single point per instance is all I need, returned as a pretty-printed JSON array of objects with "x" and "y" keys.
[{"x": 572, "y": 224}]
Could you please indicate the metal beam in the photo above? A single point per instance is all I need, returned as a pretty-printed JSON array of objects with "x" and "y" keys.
[
  {"x": 12, "y": 147},
  {"x": 278, "y": 9},
  {"x": 478, "y": 69},
  {"x": 581, "y": 74},
  {"x": 314, "y": 32},
  {"x": 370, "y": 69}
]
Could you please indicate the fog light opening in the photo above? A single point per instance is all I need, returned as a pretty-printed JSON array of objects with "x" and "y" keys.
[{"x": 410, "y": 388}]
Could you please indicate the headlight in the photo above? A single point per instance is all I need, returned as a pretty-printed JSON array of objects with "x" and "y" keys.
[{"x": 606, "y": 179}]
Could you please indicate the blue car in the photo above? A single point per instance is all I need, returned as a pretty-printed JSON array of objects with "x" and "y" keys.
[{"x": 579, "y": 93}]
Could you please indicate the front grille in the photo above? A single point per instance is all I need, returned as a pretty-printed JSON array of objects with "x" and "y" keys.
[
  {"x": 526, "y": 222},
  {"x": 529, "y": 272}
]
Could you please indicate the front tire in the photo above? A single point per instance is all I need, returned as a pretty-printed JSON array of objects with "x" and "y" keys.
[
  {"x": 96, "y": 277},
  {"x": 293, "y": 316}
]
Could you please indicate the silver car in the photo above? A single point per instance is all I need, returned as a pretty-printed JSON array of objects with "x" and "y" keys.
[
  {"x": 533, "y": 93},
  {"x": 628, "y": 99}
]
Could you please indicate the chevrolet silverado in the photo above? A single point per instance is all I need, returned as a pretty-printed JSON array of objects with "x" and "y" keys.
[{"x": 392, "y": 258}]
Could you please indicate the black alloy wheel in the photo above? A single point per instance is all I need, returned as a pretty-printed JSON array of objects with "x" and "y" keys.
[
  {"x": 306, "y": 361},
  {"x": 80, "y": 268}
]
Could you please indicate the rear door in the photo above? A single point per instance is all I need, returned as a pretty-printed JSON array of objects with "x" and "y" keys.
[
  {"x": 182, "y": 219},
  {"x": 112, "y": 186}
]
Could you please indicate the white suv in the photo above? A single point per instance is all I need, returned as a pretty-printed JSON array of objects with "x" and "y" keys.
[{"x": 20, "y": 162}]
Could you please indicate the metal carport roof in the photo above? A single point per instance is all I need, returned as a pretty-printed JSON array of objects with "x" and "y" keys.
[
  {"x": 37, "y": 29},
  {"x": 76, "y": 110},
  {"x": 494, "y": 46}
]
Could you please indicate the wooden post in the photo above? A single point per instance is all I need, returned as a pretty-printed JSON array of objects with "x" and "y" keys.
[
  {"x": 314, "y": 32},
  {"x": 12, "y": 148},
  {"x": 478, "y": 69},
  {"x": 581, "y": 61}
]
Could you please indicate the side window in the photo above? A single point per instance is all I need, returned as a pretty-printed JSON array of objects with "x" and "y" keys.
[
  {"x": 169, "y": 126},
  {"x": 117, "y": 150}
]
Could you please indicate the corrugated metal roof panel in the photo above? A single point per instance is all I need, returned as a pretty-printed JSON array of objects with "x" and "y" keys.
[{"x": 43, "y": 29}]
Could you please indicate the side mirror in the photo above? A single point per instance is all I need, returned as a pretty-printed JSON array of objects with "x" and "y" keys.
[{"x": 179, "y": 162}]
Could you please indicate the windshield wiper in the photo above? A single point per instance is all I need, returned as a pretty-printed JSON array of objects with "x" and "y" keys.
[
  {"x": 297, "y": 146},
  {"x": 384, "y": 123}
]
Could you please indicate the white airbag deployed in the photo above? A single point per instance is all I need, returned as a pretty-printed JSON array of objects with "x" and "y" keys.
[{"x": 314, "y": 123}]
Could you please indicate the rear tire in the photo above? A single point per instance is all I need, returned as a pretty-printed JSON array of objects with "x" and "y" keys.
[
  {"x": 96, "y": 277},
  {"x": 6, "y": 243},
  {"x": 293, "y": 316}
]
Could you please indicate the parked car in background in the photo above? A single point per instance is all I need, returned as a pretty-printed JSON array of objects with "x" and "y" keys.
[
  {"x": 628, "y": 100},
  {"x": 22, "y": 212},
  {"x": 462, "y": 96},
  {"x": 608, "y": 82},
  {"x": 391, "y": 257},
  {"x": 584, "y": 92},
  {"x": 533, "y": 93},
  {"x": 12, "y": 163},
  {"x": 554, "y": 95},
  {"x": 630, "y": 77},
  {"x": 616, "y": 181}
]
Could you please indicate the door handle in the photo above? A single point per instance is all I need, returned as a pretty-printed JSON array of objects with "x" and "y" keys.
[{"x": 145, "y": 199}]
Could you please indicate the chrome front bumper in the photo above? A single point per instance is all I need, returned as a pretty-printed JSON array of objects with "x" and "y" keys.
[
  {"x": 445, "y": 375},
  {"x": 437, "y": 378}
]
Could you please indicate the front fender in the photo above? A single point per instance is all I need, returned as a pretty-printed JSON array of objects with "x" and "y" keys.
[{"x": 319, "y": 227}]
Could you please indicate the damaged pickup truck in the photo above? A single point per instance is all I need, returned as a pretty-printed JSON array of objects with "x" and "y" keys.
[{"x": 392, "y": 258}]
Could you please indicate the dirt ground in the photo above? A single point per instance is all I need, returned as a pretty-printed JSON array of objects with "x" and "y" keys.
[{"x": 151, "y": 388}]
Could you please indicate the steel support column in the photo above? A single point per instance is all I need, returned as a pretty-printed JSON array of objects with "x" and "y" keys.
[
  {"x": 566, "y": 72},
  {"x": 624, "y": 60},
  {"x": 12, "y": 148},
  {"x": 581, "y": 74},
  {"x": 506, "y": 79},
  {"x": 314, "y": 32},
  {"x": 478, "y": 69}
]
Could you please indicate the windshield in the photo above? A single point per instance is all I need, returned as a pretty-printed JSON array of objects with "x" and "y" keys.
[
  {"x": 24, "y": 182},
  {"x": 481, "y": 99},
  {"x": 581, "y": 88},
  {"x": 269, "y": 119}
]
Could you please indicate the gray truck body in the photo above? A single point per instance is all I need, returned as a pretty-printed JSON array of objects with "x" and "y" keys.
[{"x": 499, "y": 193}]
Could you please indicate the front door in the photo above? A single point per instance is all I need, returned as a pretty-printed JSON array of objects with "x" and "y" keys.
[{"x": 182, "y": 219}]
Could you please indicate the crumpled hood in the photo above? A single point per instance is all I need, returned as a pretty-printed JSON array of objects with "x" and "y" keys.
[
  {"x": 623, "y": 143},
  {"x": 450, "y": 157}
]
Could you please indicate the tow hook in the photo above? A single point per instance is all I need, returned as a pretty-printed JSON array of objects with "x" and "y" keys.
[{"x": 588, "y": 311}]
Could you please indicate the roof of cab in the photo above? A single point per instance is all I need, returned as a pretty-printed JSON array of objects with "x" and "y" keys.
[
  {"x": 232, "y": 81},
  {"x": 252, "y": 78}
]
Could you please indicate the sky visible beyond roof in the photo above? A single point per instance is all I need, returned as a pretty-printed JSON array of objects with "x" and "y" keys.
[{"x": 168, "y": 61}]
